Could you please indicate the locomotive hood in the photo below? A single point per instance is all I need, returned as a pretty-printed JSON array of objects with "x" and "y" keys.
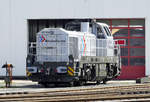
[{"x": 56, "y": 44}]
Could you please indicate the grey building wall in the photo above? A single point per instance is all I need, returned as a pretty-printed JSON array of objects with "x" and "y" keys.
[{"x": 14, "y": 15}]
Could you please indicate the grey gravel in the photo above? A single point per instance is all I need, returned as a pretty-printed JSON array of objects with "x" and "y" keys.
[{"x": 29, "y": 86}]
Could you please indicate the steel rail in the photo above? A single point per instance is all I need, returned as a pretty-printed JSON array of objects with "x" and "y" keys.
[{"x": 119, "y": 92}]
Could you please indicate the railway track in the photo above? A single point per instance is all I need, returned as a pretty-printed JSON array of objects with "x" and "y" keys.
[{"x": 139, "y": 91}]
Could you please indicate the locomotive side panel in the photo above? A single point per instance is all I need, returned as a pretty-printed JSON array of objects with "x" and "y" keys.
[{"x": 52, "y": 46}]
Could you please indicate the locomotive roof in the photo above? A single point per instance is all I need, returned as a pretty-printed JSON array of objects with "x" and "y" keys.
[
  {"x": 102, "y": 24},
  {"x": 52, "y": 30}
]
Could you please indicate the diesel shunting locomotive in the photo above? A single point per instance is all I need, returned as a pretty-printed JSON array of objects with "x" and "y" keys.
[{"x": 74, "y": 57}]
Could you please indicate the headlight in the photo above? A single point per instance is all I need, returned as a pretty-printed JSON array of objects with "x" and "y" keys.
[{"x": 61, "y": 69}]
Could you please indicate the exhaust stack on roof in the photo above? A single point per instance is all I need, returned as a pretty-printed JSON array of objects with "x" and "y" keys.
[{"x": 84, "y": 27}]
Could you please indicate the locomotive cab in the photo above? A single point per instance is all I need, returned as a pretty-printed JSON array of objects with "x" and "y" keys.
[{"x": 101, "y": 31}]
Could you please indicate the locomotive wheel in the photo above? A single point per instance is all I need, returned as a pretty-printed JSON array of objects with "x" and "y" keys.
[
  {"x": 81, "y": 83},
  {"x": 77, "y": 83},
  {"x": 44, "y": 84},
  {"x": 56, "y": 85},
  {"x": 104, "y": 81},
  {"x": 98, "y": 82},
  {"x": 71, "y": 84}
]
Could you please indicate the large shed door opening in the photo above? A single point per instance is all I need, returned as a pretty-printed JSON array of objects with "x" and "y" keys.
[
  {"x": 132, "y": 31},
  {"x": 35, "y": 25}
]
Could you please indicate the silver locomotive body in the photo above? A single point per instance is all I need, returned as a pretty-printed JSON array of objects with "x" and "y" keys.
[{"x": 64, "y": 56}]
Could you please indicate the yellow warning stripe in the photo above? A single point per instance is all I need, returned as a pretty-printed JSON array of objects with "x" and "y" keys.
[
  {"x": 28, "y": 73},
  {"x": 70, "y": 73},
  {"x": 71, "y": 69}
]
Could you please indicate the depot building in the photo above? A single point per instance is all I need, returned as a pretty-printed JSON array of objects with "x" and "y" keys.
[{"x": 128, "y": 20}]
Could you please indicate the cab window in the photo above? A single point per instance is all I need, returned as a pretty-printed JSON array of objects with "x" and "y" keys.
[
  {"x": 107, "y": 31},
  {"x": 100, "y": 33}
]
